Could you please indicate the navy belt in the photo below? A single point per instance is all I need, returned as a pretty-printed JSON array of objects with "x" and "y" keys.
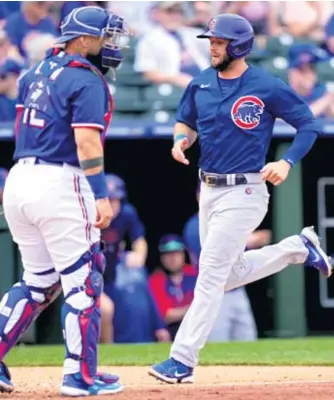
[
  {"x": 40, "y": 161},
  {"x": 218, "y": 180}
]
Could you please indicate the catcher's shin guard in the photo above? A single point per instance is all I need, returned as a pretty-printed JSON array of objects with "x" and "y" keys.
[
  {"x": 81, "y": 315},
  {"x": 18, "y": 309}
]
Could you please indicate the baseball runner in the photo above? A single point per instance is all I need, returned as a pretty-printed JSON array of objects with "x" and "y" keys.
[
  {"x": 56, "y": 198},
  {"x": 232, "y": 107}
]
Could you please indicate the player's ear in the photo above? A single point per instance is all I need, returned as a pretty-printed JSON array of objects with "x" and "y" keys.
[{"x": 84, "y": 42}]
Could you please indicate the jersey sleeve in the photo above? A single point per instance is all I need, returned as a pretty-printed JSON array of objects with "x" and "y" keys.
[
  {"x": 89, "y": 106},
  {"x": 21, "y": 93},
  {"x": 136, "y": 228},
  {"x": 186, "y": 112},
  {"x": 286, "y": 104}
]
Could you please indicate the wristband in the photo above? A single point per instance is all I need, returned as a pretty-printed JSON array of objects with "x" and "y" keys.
[
  {"x": 98, "y": 185},
  {"x": 289, "y": 162},
  {"x": 180, "y": 136}
]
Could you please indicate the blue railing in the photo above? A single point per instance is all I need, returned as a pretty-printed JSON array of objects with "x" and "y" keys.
[{"x": 147, "y": 128}]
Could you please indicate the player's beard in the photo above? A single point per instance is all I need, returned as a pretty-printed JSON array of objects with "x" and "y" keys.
[{"x": 225, "y": 64}]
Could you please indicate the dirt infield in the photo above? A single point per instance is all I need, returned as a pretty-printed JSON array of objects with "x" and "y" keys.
[{"x": 228, "y": 383}]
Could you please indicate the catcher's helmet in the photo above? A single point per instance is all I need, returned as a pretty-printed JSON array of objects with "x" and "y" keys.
[
  {"x": 235, "y": 28},
  {"x": 94, "y": 21},
  {"x": 116, "y": 187}
]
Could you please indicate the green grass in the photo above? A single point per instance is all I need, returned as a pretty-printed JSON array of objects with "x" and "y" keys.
[{"x": 310, "y": 351}]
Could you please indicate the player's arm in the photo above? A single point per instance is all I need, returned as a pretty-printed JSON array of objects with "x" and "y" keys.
[
  {"x": 90, "y": 152},
  {"x": 322, "y": 105},
  {"x": 136, "y": 230},
  {"x": 181, "y": 128},
  {"x": 293, "y": 110},
  {"x": 88, "y": 108},
  {"x": 139, "y": 246},
  {"x": 287, "y": 105},
  {"x": 175, "y": 314},
  {"x": 185, "y": 129}
]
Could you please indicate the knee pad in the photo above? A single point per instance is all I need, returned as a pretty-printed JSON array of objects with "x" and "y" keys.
[
  {"x": 18, "y": 310},
  {"x": 81, "y": 315}
]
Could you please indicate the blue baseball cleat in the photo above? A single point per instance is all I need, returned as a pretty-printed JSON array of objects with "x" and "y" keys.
[
  {"x": 5, "y": 379},
  {"x": 316, "y": 258},
  {"x": 74, "y": 386},
  {"x": 172, "y": 371}
]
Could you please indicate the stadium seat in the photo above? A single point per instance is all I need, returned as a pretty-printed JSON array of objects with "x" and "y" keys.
[
  {"x": 279, "y": 45},
  {"x": 127, "y": 76},
  {"x": 163, "y": 96},
  {"x": 325, "y": 71},
  {"x": 128, "y": 99},
  {"x": 160, "y": 116},
  {"x": 129, "y": 52},
  {"x": 278, "y": 66}
]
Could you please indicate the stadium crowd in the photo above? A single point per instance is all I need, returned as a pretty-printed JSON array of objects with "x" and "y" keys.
[{"x": 295, "y": 40}]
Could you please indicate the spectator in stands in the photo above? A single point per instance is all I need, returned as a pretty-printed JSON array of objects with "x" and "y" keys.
[
  {"x": 304, "y": 19},
  {"x": 235, "y": 320},
  {"x": 136, "y": 318},
  {"x": 33, "y": 19},
  {"x": 173, "y": 284},
  {"x": 203, "y": 12},
  {"x": 303, "y": 78},
  {"x": 138, "y": 14},
  {"x": 9, "y": 73},
  {"x": 3, "y": 177},
  {"x": 7, "y": 50},
  {"x": 170, "y": 52},
  {"x": 7, "y": 8},
  {"x": 329, "y": 36},
  {"x": 124, "y": 225},
  {"x": 37, "y": 46},
  {"x": 259, "y": 13}
]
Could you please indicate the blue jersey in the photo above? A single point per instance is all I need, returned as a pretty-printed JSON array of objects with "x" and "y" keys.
[
  {"x": 57, "y": 95},
  {"x": 235, "y": 118},
  {"x": 133, "y": 302},
  {"x": 7, "y": 109},
  {"x": 125, "y": 224},
  {"x": 191, "y": 239},
  {"x": 20, "y": 31}
]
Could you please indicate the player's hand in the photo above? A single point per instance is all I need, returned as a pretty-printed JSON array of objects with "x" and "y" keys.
[
  {"x": 181, "y": 80},
  {"x": 178, "y": 151},
  {"x": 276, "y": 172},
  {"x": 104, "y": 213},
  {"x": 134, "y": 259},
  {"x": 162, "y": 335}
]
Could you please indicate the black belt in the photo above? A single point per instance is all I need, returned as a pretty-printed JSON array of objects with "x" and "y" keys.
[{"x": 217, "y": 180}]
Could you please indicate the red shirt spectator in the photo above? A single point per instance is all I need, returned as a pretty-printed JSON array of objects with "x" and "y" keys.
[{"x": 172, "y": 286}]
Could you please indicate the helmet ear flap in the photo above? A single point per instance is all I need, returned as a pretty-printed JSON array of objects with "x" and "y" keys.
[{"x": 240, "y": 47}]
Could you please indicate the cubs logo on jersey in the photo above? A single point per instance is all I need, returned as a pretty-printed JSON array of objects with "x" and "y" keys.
[{"x": 246, "y": 112}]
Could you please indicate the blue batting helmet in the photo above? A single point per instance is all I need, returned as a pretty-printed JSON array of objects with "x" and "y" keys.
[
  {"x": 94, "y": 21},
  {"x": 116, "y": 187},
  {"x": 234, "y": 28}
]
